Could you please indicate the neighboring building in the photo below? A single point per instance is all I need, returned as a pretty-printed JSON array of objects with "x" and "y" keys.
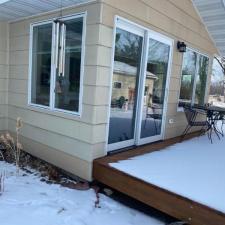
[{"x": 98, "y": 76}]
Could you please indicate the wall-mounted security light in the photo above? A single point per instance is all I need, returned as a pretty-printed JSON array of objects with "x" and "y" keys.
[{"x": 181, "y": 46}]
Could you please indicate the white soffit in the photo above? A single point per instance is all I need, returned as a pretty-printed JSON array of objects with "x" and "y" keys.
[
  {"x": 212, "y": 13},
  {"x": 17, "y": 9}
]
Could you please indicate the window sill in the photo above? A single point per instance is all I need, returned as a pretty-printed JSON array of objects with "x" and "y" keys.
[{"x": 58, "y": 113}]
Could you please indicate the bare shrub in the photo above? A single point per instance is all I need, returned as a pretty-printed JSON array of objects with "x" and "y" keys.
[{"x": 12, "y": 144}]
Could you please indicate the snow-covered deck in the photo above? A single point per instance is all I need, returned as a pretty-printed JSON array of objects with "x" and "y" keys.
[{"x": 185, "y": 180}]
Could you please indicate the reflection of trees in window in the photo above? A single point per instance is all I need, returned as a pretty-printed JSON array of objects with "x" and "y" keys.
[
  {"x": 128, "y": 47},
  {"x": 194, "y": 78},
  {"x": 157, "y": 64},
  {"x": 41, "y": 64},
  {"x": 201, "y": 80},
  {"x": 188, "y": 73}
]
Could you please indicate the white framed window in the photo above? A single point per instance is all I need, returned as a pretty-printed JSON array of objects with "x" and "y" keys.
[
  {"x": 194, "y": 77},
  {"x": 56, "y": 64},
  {"x": 117, "y": 85}
]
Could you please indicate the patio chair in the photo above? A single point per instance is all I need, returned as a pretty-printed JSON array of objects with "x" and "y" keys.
[
  {"x": 155, "y": 114},
  {"x": 222, "y": 125},
  {"x": 191, "y": 116}
]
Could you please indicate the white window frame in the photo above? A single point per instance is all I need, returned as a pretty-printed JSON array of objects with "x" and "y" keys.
[
  {"x": 121, "y": 83},
  {"x": 198, "y": 54},
  {"x": 51, "y": 106}
]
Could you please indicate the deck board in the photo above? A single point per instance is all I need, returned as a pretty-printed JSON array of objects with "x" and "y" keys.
[{"x": 168, "y": 202}]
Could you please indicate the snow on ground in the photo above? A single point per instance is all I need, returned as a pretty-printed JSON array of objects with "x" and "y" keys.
[
  {"x": 193, "y": 169},
  {"x": 28, "y": 201}
]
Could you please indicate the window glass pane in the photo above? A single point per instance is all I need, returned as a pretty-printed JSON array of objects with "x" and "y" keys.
[
  {"x": 68, "y": 84},
  {"x": 155, "y": 85},
  {"x": 41, "y": 64},
  {"x": 187, "y": 78},
  {"x": 128, "y": 49},
  {"x": 217, "y": 90},
  {"x": 201, "y": 80}
]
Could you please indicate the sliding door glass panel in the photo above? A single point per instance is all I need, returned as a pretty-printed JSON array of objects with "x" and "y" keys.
[
  {"x": 41, "y": 64},
  {"x": 155, "y": 88},
  {"x": 68, "y": 77},
  {"x": 201, "y": 80},
  {"x": 187, "y": 78},
  {"x": 128, "y": 49}
]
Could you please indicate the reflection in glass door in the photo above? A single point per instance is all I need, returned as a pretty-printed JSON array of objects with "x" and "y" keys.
[
  {"x": 154, "y": 91},
  {"x": 127, "y": 60},
  {"x": 139, "y": 84},
  {"x": 67, "y": 84}
]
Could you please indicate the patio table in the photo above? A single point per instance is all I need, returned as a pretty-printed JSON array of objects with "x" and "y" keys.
[{"x": 215, "y": 114}]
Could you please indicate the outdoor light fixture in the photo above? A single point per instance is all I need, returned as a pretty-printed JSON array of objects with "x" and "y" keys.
[{"x": 181, "y": 46}]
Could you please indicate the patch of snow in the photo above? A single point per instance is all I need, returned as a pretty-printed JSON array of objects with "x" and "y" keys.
[
  {"x": 219, "y": 104},
  {"x": 193, "y": 169},
  {"x": 27, "y": 201}
]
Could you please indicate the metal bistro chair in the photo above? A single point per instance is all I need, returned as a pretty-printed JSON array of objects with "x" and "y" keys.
[
  {"x": 191, "y": 116},
  {"x": 222, "y": 125},
  {"x": 156, "y": 115}
]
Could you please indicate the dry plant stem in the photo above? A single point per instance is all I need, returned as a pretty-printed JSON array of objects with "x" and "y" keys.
[
  {"x": 2, "y": 182},
  {"x": 2, "y": 156},
  {"x": 18, "y": 146},
  {"x": 17, "y": 152}
]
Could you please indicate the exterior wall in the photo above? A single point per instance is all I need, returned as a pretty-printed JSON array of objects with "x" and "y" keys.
[
  {"x": 173, "y": 18},
  {"x": 70, "y": 142},
  {"x": 3, "y": 75}
]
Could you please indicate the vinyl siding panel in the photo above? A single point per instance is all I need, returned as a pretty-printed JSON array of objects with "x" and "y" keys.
[{"x": 3, "y": 75}]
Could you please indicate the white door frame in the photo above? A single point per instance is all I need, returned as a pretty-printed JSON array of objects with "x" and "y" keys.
[
  {"x": 146, "y": 34},
  {"x": 137, "y": 30},
  {"x": 165, "y": 40}
]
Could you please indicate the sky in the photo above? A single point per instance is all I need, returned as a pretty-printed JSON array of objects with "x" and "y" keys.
[{"x": 3, "y": 1}]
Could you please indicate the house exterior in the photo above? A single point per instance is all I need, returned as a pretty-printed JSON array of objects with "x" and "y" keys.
[{"x": 100, "y": 76}]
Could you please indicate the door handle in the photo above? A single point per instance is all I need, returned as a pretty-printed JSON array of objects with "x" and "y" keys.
[
  {"x": 56, "y": 59},
  {"x": 62, "y": 50}
]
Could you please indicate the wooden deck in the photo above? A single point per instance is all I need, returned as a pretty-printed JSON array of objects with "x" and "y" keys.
[{"x": 168, "y": 202}]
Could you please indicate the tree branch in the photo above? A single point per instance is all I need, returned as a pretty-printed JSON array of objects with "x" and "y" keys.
[{"x": 221, "y": 64}]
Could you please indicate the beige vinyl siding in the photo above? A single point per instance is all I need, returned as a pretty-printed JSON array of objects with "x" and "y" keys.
[
  {"x": 72, "y": 142},
  {"x": 3, "y": 75},
  {"x": 174, "y": 18},
  {"x": 64, "y": 135}
]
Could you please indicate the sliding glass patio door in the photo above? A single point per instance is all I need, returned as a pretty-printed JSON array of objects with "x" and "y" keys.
[
  {"x": 126, "y": 76},
  {"x": 153, "y": 107},
  {"x": 139, "y": 84}
]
